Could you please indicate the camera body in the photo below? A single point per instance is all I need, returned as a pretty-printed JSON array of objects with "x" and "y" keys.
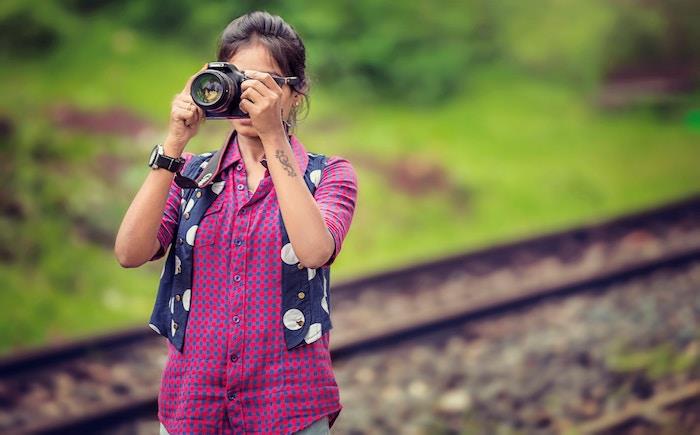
[{"x": 217, "y": 90}]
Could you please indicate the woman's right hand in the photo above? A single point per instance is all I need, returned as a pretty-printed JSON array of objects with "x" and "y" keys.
[{"x": 185, "y": 117}]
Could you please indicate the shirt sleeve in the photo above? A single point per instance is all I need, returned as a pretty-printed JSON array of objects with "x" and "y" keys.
[
  {"x": 171, "y": 214},
  {"x": 336, "y": 196}
]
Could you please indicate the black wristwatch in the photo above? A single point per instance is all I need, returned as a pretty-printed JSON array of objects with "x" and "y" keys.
[{"x": 158, "y": 159}]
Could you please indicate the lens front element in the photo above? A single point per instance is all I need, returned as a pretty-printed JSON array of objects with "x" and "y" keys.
[
  {"x": 207, "y": 89},
  {"x": 217, "y": 91}
]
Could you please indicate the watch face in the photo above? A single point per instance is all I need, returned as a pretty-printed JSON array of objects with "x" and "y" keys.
[{"x": 154, "y": 155}]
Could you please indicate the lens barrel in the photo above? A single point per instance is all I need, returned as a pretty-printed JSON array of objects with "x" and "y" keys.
[{"x": 213, "y": 90}]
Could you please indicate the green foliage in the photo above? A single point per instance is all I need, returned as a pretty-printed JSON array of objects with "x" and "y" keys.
[
  {"x": 655, "y": 362},
  {"x": 416, "y": 52},
  {"x": 31, "y": 28},
  {"x": 564, "y": 39}
]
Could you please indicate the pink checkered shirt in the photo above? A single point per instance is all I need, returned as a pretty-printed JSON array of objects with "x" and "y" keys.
[{"x": 235, "y": 374}]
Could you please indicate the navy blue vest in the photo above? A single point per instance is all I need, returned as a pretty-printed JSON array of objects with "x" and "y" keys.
[{"x": 304, "y": 293}]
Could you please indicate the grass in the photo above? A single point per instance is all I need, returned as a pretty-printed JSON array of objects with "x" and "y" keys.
[
  {"x": 531, "y": 155},
  {"x": 535, "y": 157}
]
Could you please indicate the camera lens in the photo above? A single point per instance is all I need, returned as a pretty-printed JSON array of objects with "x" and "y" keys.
[
  {"x": 208, "y": 88},
  {"x": 212, "y": 90}
]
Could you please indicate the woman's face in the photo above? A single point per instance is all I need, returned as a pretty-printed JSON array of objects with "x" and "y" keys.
[{"x": 256, "y": 57}]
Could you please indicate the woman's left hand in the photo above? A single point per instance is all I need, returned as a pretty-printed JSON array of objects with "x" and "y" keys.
[{"x": 261, "y": 99}]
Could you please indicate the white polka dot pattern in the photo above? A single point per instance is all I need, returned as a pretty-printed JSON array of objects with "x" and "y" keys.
[
  {"x": 288, "y": 254},
  {"x": 293, "y": 319},
  {"x": 154, "y": 327},
  {"x": 186, "y": 299},
  {"x": 324, "y": 299},
  {"x": 218, "y": 187},
  {"x": 190, "y": 204},
  {"x": 314, "y": 333},
  {"x": 178, "y": 265},
  {"x": 315, "y": 176},
  {"x": 191, "y": 234}
]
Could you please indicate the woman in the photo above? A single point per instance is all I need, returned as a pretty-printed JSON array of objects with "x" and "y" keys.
[{"x": 244, "y": 294}]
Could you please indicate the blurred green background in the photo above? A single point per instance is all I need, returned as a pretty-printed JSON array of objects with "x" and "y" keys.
[{"x": 468, "y": 123}]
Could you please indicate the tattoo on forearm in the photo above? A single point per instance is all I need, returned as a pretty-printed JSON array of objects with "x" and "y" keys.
[{"x": 282, "y": 157}]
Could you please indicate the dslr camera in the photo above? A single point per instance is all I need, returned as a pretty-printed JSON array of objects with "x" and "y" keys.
[{"x": 217, "y": 90}]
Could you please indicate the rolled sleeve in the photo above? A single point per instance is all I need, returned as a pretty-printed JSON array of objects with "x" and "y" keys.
[
  {"x": 171, "y": 215},
  {"x": 336, "y": 197}
]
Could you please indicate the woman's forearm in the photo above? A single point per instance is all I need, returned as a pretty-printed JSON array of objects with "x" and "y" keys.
[
  {"x": 308, "y": 233},
  {"x": 137, "y": 240}
]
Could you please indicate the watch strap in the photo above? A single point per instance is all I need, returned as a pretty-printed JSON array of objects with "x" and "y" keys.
[{"x": 170, "y": 163}]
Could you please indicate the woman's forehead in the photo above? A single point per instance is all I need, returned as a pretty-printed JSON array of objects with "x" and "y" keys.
[{"x": 255, "y": 57}]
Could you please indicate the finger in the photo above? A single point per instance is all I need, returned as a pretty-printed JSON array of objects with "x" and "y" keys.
[
  {"x": 184, "y": 116},
  {"x": 186, "y": 105},
  {"x": 194, "y": 118},
  {"x": 253, "y": 95},
  {"x": 266, "y": 79},
  {"x": 245, "y": 106},
  {"x": 200, "y": 115},
  {"x": 185, "y": 101},
  {"x": 257, "y": 85}
]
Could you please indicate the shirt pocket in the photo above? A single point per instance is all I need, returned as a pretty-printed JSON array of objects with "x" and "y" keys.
[{"x": 208, "y": 230}]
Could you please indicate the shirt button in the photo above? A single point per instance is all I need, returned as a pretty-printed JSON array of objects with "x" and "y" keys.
[
  {"x": 300, "y": 266},
  {"x": 179, "y": 240},
  {"x": 240, "y": 187},
  {"x": 175, "y": 325},
  {"x": 178, "y": 297},
  {"x": 238, "y": 241},
  {"x": 187, "y": 215},
  {"x": 236, "y": 319},
  {"x": 199, "y": 194},
  {"x": 234, "y": 357},
  {"x": 243, "y": 210},
  {"x": 237, "y": 278},
  {"x": 301, "y": 295},
  {"x": 239, "y": 167},
  {"x": 231, "y": 395}
]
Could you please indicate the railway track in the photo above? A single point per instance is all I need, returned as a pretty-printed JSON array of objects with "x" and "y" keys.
[
  {"x": 649, "y": 415},
  {"x": 95, "y": 382},
  {"x": 549, "y": 367}
]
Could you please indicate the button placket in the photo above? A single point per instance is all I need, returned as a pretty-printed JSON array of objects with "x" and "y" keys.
[{"x": 237, "y": 229}]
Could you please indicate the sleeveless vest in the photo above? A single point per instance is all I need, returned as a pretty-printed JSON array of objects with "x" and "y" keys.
[{"x": 304, "y": 295}]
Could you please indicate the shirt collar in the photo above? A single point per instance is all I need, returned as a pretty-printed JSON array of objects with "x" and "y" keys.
[{"x": 232, "y": 154}]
